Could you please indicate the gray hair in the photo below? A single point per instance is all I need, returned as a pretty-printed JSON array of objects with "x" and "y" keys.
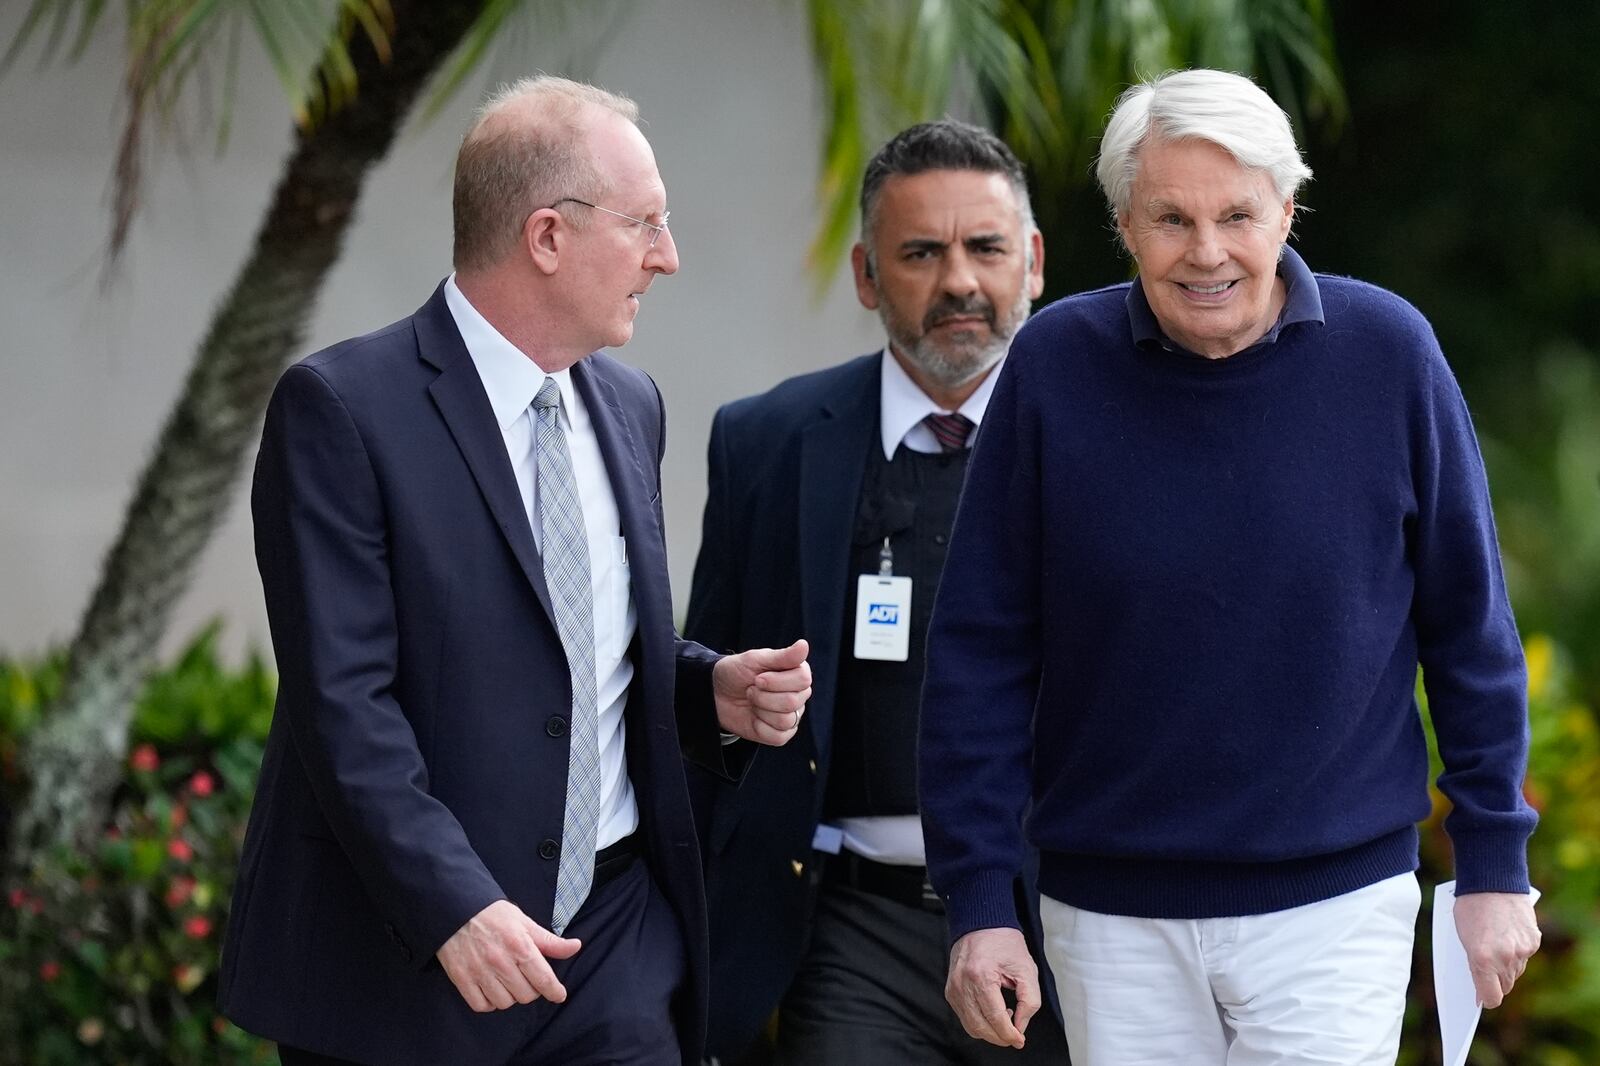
[
  {"x": 525, "y": 150},
  {"x": 1228, "y": 110}
]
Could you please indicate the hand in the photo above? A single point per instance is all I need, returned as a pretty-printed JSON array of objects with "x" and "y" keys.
[
  {"x": 981, "y": 964},
  {"x": 1500, "y": 934},
  {"x": 498, "y": 958},
  {"x": 762, "y": 693}
]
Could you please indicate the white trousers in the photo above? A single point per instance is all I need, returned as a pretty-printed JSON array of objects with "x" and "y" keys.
[{"x": 1319, "y": 984}]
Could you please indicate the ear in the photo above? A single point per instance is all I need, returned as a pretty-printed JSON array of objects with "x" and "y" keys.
[
  {"x": 866, "y": 286},
  {"x": 544, "y": 236},
  {"x": 1036, "y": 264},
  {"x": 1125, "y": 231},
  {"x": 1288, "y": 219}
]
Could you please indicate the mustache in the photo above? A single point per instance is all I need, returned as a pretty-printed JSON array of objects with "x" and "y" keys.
[{"x": 958, "y": 307}]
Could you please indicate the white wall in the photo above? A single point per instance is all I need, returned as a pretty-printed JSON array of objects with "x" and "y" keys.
[{"x": 88, "y": 373}]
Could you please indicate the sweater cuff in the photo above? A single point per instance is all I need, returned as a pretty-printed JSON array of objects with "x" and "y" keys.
[
  {"x": 1491, "y": 861},
  {"x": 986, "y": 900}
]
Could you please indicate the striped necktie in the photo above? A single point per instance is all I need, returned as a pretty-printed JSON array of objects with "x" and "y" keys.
[
  {"x": 951, "y": 431},
  {"x": 565, "y": 547}
]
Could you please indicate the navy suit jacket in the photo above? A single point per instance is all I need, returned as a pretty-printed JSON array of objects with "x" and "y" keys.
[
  {"x": 774, "y": 565},
  {"x": 416, "y": 767}
]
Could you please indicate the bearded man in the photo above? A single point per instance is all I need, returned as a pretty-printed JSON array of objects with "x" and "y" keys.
[{"x": 830, "y": 506}]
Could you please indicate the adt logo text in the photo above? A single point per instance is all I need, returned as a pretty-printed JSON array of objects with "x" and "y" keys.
[{"x": 883, "y": 614}]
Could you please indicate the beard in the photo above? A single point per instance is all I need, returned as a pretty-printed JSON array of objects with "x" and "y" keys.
[{"x": 958, "y": 356}]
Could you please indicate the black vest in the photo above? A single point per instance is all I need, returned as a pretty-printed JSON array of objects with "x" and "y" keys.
[{"x": 911, "y": 500}]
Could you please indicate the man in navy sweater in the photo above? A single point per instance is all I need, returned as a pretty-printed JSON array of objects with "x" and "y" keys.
[{"x": 1216, "y": 519}]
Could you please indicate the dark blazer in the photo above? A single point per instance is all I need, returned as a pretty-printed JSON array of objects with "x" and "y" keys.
[
  {"x": 416, "y": 768},
  {"x": 785, "y": 473}
]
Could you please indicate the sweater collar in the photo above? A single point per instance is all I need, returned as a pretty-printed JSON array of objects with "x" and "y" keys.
[{"x": 1302, "y": 303}]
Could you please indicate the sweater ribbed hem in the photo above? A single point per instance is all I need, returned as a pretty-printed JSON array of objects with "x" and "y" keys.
[
  {"x": 1491, "y": 861},
  {"x": 985, "y": 901},
  {"x": 1176, "y": 888}
]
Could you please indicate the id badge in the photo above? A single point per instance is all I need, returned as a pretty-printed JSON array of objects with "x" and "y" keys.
[{"x": 883, "y": 618}]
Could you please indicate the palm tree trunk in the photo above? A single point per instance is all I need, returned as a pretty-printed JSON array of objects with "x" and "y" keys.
[{"x": 73, "y": 760}]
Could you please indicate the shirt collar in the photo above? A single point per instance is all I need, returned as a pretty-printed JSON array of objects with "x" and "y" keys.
[
  {"x": 1302, "y": 303},
  {"x": 902, "y": 403},
  {"x": 509, "y": 377}
]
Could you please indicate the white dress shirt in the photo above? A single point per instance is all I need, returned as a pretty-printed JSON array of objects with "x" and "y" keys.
[
  {"x": 511, "y": 381},
  {"x": 902, "y": 405}
]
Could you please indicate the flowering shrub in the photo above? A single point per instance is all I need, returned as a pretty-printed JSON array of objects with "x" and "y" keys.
[
  {"x": 1552, "y": 1017},
  {"x": 109, "y": 953}
]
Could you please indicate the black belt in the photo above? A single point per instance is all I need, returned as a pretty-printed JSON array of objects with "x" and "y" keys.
[
  {"x": 906, "y": 885},
  {"x": 614, "y": 860}
]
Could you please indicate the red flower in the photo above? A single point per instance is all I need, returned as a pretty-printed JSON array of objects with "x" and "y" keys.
[
  {"x": 50, "y": 970},
  {"x": 17, "y": 898},
  {"x": 202, "y": 784},
  {"x": 179, "y": 817},
  {"x": 197, "y": 927},
  {"x": 179, "y": 891},
  {"x": 144, "y": 758},
  {"x": 180, "y": 849}
]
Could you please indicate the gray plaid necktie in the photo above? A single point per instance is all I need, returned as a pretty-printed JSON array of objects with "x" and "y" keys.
[{"x": 565, "y": 547}]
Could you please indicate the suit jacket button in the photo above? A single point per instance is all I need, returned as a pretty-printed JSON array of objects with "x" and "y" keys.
[
  {"x": 556, "y": 726},
  {"x": 797, "y": 866},
  {"x": 549, "y": 849}
]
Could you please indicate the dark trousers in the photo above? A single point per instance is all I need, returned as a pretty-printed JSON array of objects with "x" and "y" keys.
[
  {"x": 620, "y": 987},
  {"x": 870, "y": 992}
]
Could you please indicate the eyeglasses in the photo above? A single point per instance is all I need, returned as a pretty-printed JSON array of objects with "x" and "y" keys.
[{"x": 656, "y": 228}]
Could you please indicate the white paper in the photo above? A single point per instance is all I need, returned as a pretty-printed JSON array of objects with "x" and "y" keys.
[{"x": 1453, "y": 989}]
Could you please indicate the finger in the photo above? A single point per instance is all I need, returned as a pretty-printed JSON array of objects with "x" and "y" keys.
[
  {"x": 1028, "y": 1003},
  {"x": 515, "y": 982},
  {"x": 785, "y": 680},
  {"x": 996, "y": 1019},
  {"x": 971, "y": 1020},
  {"x": 1487, "y": 985},
  {"x": 542, "y": 979},
  {"x": 763, "y": 732},
  {"x": 495, "y": 992},
  {"x": 779, "y": 703},
  {"x": 786, "y": 715},
  {"x": 471, "y": 993},
  {"x": 552, "y": 946},
  {"x": 778, "y": 659}
]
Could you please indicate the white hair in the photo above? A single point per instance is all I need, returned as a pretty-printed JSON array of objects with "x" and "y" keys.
[{"x": 1228, "y": 110}]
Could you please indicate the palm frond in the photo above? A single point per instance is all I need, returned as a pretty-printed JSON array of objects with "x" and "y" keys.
[
  {"x": 889, "y": 64},
  {"x": 1044, "y": 74},
  {"x": 167, "y": 43},
  {"x": 581, "y": 27}
]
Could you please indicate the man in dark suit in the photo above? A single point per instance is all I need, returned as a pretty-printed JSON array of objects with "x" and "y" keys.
[
  {"x": 472, "y": 839},
  {"x": 831, "y": 499}
]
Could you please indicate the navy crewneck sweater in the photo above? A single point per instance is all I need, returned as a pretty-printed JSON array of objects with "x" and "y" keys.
[{"x": 1183, "y": 610}]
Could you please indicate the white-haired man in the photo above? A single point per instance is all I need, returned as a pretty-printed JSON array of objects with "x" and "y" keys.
[
  {"x": 1216, "y": 519},
  {"x": 472, "y": 840}
]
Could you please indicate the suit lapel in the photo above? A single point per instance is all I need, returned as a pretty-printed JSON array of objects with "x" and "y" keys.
[
  {"x": 619, "y": 449},
  {"x": 833, "y": 459},
  {"x": 458, "y": 393}
]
